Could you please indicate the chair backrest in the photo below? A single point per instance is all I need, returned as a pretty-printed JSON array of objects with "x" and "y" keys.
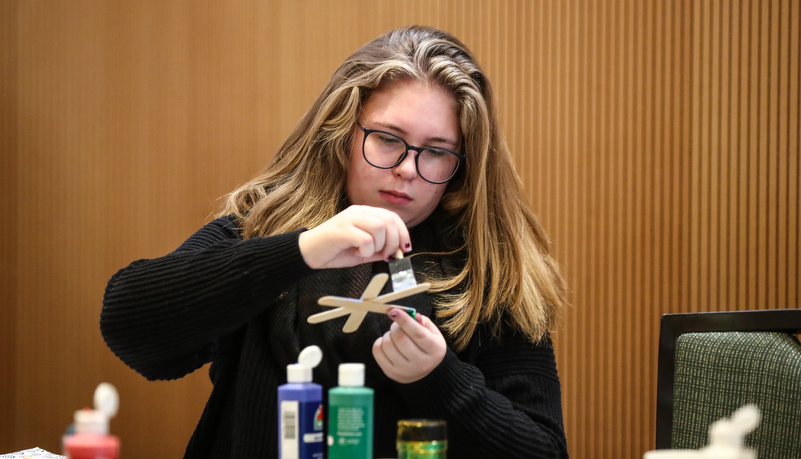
[{"x": 711, "y": 364}]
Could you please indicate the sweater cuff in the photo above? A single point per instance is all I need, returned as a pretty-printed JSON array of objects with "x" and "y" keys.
[{"x": 438, "y": 388}]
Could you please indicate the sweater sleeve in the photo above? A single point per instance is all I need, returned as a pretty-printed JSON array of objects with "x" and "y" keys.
[
  {"x": 506, "y": 405},
  {"x": 166, "y": 317}
]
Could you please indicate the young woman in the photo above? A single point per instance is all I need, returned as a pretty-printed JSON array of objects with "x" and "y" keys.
[{"x": 401, "y": 150}]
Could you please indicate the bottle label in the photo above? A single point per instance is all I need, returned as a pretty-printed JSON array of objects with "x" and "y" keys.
[
  {"x": 349, "y": 433},
  {"x": 350, "y": 425},
  {"x": 301, "y": 430}
]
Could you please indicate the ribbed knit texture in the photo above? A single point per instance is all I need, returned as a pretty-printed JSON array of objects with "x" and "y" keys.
[{"x": 242, "y": 305}]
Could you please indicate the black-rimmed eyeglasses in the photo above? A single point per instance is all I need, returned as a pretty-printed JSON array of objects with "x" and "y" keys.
[{"x": 385, "y": 150}]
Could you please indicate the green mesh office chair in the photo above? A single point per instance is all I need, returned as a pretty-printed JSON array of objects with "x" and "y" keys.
[{"x": 711, "y": 364}]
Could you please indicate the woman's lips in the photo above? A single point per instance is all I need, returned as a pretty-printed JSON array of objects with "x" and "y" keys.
[{"x": 394, "y": 197}]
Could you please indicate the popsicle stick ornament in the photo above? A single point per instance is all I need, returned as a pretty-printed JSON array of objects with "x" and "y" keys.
[{"x": 370, "y": 301}]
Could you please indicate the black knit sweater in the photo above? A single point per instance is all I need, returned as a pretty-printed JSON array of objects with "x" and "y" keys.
[{"x": 242, "y": 305}]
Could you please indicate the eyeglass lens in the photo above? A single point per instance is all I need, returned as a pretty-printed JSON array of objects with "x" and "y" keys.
[{"x": 385, "y": 150}]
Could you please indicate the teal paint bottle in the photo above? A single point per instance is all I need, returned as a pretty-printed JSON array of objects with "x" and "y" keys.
[{"x": 350, "y": 414}]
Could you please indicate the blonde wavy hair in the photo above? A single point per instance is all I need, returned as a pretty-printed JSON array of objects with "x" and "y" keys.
[{"x": 510, "y": 275}]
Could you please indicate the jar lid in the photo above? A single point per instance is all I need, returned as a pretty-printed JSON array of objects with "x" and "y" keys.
[{"x": 422, "y": 430}]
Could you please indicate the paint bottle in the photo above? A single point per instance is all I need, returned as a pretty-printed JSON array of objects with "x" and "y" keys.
[
  {"x": 300, "y": 409},
  {"x": 350, "y": 411},
  {"x": 91, "y": 439},
  {"x": 422, "y": 439}
]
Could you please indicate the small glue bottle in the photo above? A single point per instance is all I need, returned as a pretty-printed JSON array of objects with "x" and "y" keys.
[
  {"x": 350, "y": 411},
  {"x": 91, "y": 439},
  {"x": 300, "y": 409}
]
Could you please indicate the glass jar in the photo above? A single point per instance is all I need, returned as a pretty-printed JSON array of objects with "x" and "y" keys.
[{"x": 422, "y": 439}]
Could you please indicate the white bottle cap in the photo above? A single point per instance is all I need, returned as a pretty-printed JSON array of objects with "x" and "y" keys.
[
  {"x": 672, "y": 454},
  {"x": 107, "y": 399},
  {"x": 298, "y": 373},
  {"x": 301, "y": 372},
  {"x": 91, "y": 421},
  {"x": 351, "y": 374},
  {"x": 107, "y": 402}
]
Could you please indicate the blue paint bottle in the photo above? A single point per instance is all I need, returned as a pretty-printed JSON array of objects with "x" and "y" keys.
[{"x": 300, "y": 409}]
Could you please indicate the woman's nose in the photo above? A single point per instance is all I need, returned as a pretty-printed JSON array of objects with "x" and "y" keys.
[{"x": 407, "y": 168}]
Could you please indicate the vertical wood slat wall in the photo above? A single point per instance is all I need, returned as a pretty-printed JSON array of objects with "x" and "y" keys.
[
  {"x": 8, "y": 228},
  {"x": 658, "y": 142}
]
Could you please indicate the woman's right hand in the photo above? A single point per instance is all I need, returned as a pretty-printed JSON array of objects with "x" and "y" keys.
[{"x": 358, "y": 234}]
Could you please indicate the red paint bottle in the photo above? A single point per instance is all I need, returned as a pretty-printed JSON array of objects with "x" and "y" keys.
[{"x": 91, "y": 439}]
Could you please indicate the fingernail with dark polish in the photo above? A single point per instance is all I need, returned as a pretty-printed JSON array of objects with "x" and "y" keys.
[{"x": 393, "y": 313}]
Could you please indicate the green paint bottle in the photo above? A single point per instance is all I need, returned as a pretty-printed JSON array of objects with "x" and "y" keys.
[{"x": 350, "y": 414}]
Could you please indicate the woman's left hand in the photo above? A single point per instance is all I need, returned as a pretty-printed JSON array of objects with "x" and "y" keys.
[{"x": 411, "y": 349}]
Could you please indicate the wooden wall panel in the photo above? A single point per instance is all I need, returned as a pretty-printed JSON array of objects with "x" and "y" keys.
[
  {"x": 8, "y": 206},
  {"x": 658, "y": 142}
]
